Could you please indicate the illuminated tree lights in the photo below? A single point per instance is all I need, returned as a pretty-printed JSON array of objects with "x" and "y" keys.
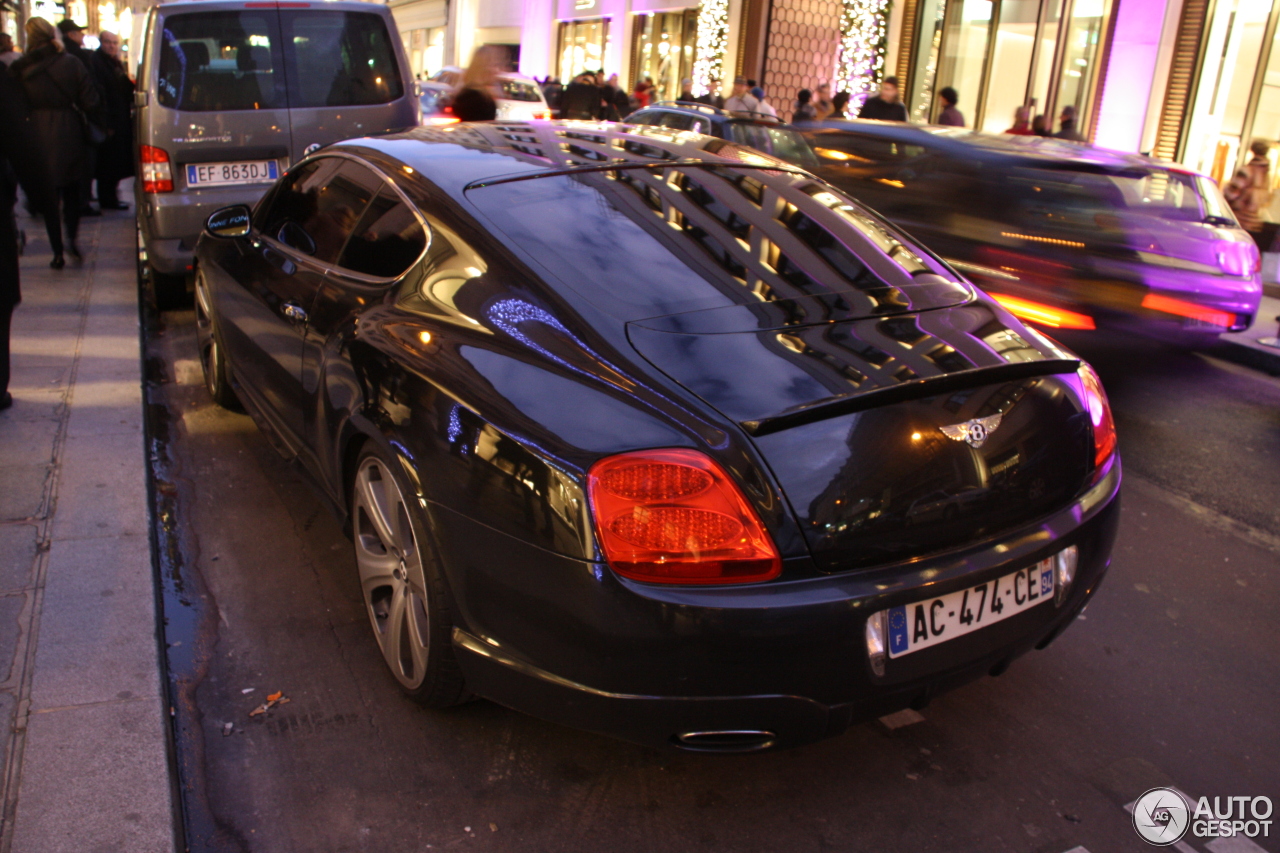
[
  {"x": 864, "y": 25},
  {"x": 713, "y": 39}
]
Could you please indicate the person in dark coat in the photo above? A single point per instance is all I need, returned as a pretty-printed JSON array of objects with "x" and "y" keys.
[
  {"x": 56, "y": 85},
  {"x": 73, "y": 44},
  {"x": 885, "y": 106},
  {"x": 1067, "y": 125},
  {"x": 581, "y": 99},
  {"x": 950, "y": 116},
  {"x": 477, "y": 99},
  {"x": 115, "y": 154},
  {"x": 20, "y": 163}
]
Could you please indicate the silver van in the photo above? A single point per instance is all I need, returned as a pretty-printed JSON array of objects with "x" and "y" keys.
[{"x": 230, "y": 94}]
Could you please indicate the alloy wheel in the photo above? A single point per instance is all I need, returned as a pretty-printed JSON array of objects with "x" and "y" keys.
[{"x": 391, "y": 573}]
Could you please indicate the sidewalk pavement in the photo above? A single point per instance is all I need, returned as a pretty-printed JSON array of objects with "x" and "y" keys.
[
  {"x": 1243, "y": 347},
  {"x": 86, "y": 765}
]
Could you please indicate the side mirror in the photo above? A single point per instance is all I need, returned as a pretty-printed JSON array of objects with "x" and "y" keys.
[{"x": 229, "y": 221}]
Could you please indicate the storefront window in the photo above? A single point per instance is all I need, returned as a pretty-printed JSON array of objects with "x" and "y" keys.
[
  {"x": 1000, "y": 55},
  {"x": 1080, "y": 54},
  {"x": 964, "y": 47},
  {"x": 663, "y": 50},
  {"x": 932, "y": 16},
  {"x": 582, "y": 47},
  {"x": 425, "y": 48},
  {"x": 1010, "y": 63}
]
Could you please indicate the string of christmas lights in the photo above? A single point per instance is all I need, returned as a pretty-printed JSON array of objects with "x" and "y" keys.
[
  {"x": 713, "y": 38},
  {"x": 860, "y": 62}
]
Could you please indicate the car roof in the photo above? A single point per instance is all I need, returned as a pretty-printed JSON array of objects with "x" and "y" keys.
[
  {"x": 960, "y": 141},
  {"x": 458, "y": 156},
  {"x": 715, "y": 114}
]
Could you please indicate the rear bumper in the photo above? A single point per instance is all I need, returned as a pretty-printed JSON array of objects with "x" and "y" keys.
[
  {"x": 172, "y": 222},
  {"x": 648, "y": 664}
]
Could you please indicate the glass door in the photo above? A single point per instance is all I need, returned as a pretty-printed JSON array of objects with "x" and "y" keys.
[
  {"x": 966, "y": 38},
  {"x": 582, "y": 47},
  {"x": 663, "y": 50},
  {"x": 933, "y": 15},
  {"x": 1081, "y": 33},
  {"x": 1015, "y": 46}
]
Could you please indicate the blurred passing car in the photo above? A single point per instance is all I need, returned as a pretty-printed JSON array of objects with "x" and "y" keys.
[
  {"x": 761, "y": 132},
  {"x": 521, "y": 100},
  {"x": 1063, "y": 234},
  {"x": 659, "y": 470}
]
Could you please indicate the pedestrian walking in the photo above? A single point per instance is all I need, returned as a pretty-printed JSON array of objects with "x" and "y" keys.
[
  {"x": 115, "y": 154},
  {"x": 7, "y": 52},
  {"x": 553, "y": 91},
  {"x": 822, "y": 105},
  {"x": 713, "y": 98},
  {"x": 476, "y": 100},
  {"x": 1040, "y": 126},
  {"x": 615, "y": 105},
  {"x": 741, "y": 101},
  {"x": 686, "y": 91},
  {"x": 1021, "y": 122},
  {"x": 803, "y": 110},
  {"x": 950, "y": 116},
  {"x": 73, "y": 44},
  {"x": 1067, "y": 125},
  {"x": 63, "y": 103},
  {"x": 1249, "y": 194},
  {"x": 20, "y": 164},
  {"x": 581, "y": 99},
  {"x": 840, "y": 105},
  {"x": 884, "y": 106},
  {"x": 644, "y": 92}
]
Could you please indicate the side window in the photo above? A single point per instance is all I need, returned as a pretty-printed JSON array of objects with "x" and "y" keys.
[
  {"x": 677, "y": 121},
  {"x": 339, "y": 59},
  {"x": 651, "y": 117},
  {"x": 318, "y": 206},
  {"x": 387, "y": 239},
  {"x": 855, "y": 149}
]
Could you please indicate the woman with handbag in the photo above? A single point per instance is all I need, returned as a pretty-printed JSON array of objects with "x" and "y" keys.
[{"x": 65, "y": 110}]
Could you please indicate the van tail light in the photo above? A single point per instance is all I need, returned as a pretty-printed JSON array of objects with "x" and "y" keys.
[
  {"x": 542, "y": 115},
  {"x": 157, "y": 173},
  {"x": 674, "y": 516},
  {"x": 1104, "y": 428}
]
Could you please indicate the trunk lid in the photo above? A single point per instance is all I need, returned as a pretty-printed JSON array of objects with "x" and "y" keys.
[{"x": 891, "y": 437}]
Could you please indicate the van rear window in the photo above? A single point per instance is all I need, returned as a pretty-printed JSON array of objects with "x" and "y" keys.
[
  {"x": 340, "y": 59},
  {"x": 215, "y": 61}
]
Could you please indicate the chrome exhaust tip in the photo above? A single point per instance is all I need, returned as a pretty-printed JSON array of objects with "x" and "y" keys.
[{"x": 733, "y": 740}]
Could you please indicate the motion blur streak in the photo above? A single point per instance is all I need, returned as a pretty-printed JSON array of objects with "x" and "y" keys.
[
  {"x": 1045, "y": 315},
  {"x": 1185, "y": 309}
]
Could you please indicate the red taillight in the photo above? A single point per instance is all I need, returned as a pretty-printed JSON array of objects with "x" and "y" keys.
[
  {"x": 1104, "y": 428},
  {"x": 1201, "y": 313},
  {"x": 157, "y": 174},
  {"x": 674, "y": 516},
  {"x": 542, "y": 115},
  {"x": 1044, "y": 315}
]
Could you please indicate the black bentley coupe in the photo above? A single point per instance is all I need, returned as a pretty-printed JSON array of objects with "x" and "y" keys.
[{"x": 648, "y": 433}]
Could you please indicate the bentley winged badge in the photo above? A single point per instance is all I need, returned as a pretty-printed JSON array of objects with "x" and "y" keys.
[{"x": 974, "y": 432}]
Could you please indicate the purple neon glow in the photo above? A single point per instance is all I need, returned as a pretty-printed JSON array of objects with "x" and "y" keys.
[{"x": 1135, "y": 43}]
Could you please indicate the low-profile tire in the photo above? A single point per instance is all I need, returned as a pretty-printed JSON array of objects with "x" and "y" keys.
[
  {"x": 213, "y": 357},
  {"x": 402, "y": 583}
]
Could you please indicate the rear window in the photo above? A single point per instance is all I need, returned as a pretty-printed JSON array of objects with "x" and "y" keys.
[
  {"x": 340, "y": 59},
  {"x": 518, "y": 90},
  {"x": 1153, "y": 192},
  {"x": 697, "y": 238},
  {"x": 217, "y": 61}
]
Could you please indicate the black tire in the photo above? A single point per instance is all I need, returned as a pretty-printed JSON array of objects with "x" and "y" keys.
[
  {"x": 161, "y": 291},
  {"x": 402, "y": 583},
  {"x": 213, "y": 358}
]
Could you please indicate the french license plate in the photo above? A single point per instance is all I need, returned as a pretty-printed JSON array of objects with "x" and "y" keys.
[
  {"x": 913, "y": 627},
  {"x": 222, "y": 174}
]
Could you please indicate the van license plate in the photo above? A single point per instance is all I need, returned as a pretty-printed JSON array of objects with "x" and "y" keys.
[
  {"x": 222, "y": 174},
  {"x": 913, "y": 627}
]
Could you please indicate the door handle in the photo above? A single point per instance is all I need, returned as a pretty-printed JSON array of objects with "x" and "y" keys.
[{"x": 295, "y": 312}]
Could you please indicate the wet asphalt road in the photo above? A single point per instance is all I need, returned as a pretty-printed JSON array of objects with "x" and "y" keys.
[{"x": 1170, "y": 677}]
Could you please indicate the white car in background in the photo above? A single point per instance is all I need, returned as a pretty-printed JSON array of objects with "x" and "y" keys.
[{"x": 521, "y": 96}]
